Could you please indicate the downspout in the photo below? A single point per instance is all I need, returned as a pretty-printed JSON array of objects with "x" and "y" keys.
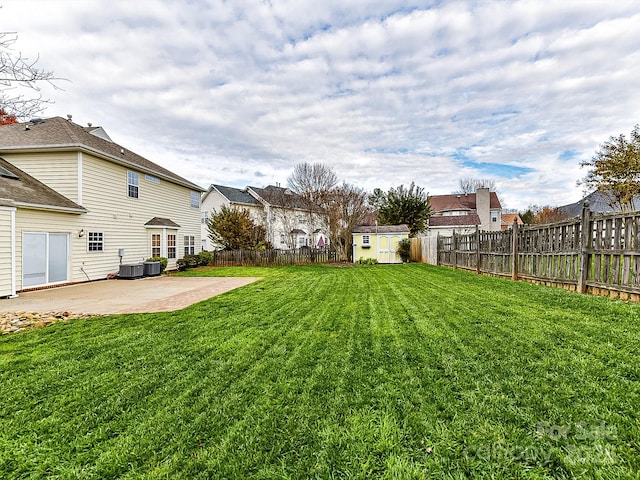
[{"x": 13, "y": 253}]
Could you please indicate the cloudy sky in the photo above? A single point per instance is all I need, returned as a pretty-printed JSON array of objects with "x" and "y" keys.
[{"x": 237, "y": 92}]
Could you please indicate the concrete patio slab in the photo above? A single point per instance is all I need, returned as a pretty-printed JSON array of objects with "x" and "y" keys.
[{"x": 104, "y": 297}]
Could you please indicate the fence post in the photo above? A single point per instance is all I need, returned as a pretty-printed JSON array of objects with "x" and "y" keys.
[
  {"x": 514, "y": 250},
  {"x": 478, "y": 261},
  {"x": 585, "y": 240},
  {"x": 454, "y": 248}
]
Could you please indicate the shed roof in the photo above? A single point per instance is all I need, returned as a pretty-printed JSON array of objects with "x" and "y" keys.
[{"x": 381, "y": 229}]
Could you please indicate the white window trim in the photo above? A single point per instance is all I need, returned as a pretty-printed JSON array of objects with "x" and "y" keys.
[
  {"x": 137, "y": 185},
  {"x": 193, "y": 196},
  {"x": 101, "y": 242},
  {"x": 366, "y": 240}
]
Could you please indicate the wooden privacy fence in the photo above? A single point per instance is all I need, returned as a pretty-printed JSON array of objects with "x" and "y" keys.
[
  {"x": 300, "y": 256},
  {"x": 597, "y": 253}
]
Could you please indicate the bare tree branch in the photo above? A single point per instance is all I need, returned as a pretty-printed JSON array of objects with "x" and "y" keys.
[{"x": 17, "y": 74}]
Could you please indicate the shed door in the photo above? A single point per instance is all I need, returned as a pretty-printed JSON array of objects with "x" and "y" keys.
[
  {"x": 45, "y": 258},
  {"x": 387, "y": 248}
]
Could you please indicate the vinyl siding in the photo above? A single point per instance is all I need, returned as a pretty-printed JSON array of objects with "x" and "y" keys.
[
  {"x": 122, "y": 218},
  {"x": 110, "y": 211},
  {"x": 57, "y": 170},
  {"x": 214, "y": 203},
  {"x": 5, "y": 252}
]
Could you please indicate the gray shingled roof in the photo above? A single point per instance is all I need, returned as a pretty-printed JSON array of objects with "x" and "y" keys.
[
  {"x": 58, "y": 133},
  {"x": 281, "y": 197},
  {"x": 161, "y": 222},
  {"x": 598, "y": 203},
  {"x": 26, "y": 191},
  {"x": 381, "y": 229},
  {"x": 236, "y": 195}
]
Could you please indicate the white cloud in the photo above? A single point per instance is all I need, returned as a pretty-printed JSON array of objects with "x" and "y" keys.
[{"x": 384, "y": 92}]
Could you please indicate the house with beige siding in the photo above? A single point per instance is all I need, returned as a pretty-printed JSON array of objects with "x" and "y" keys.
[
  {"x": 288, "y": 221},
  {"x": 74, "y": 205},
  {"x": 464, "y": 212}
]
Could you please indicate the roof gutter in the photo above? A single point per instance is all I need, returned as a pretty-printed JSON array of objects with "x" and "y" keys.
[
  {"x": 51, "y": 208},
  {"x": 106, "y": 156}
]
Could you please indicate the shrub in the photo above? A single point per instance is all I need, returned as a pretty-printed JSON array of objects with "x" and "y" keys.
[
  {"x": 205, "y": 258},
  {"x": 367, "y": 261},
  {"x": 404, "y": 249},
  {"x": 163, "y": 262},
  {"x": 188, "y": 261}
]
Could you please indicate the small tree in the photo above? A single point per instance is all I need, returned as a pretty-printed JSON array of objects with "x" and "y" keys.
[
  {"x": 615, "y": 169},
  {"x": 234, "y": 229},
  {"x": 402, "y": 205},
  {"x": 404, "y": 249}
]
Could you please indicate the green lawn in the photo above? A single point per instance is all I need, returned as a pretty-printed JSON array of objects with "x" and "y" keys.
[{"x": 404, "y": 371}]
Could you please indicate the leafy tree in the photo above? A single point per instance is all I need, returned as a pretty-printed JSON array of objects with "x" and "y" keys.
[
  {"x": 404, "y": 205},
  {"x": 377, "y": 198},
  {"x": 615, "y": 169},
  {"x": 7, "y": 118},
  {"x": 404, "y": 249},
  {"x": 527, "y": 216},
  {"x": 234, "y": 229},
  {"x": 17, "y": 75}
]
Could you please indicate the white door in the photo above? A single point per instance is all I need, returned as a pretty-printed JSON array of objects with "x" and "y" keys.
[{"x": 45, "y": 258}]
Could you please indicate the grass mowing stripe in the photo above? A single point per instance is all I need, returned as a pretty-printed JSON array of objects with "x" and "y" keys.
[{"x": 405, "y": 371}]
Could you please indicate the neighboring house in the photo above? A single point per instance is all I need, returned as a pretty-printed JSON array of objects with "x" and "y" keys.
[
  {"x": 379, "y": 242},
  {"x": 509, "y": 218},
  {"x": 287, "y": 220},
  {"x": 599, "y": 202},
  {"x": 74, "y": 205},
  {"x": 464, "y": 212},
  {"x": 218, "y": 196}
]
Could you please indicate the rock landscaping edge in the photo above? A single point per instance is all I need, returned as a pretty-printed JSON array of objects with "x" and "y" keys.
[{"x": 13, "y": 322}]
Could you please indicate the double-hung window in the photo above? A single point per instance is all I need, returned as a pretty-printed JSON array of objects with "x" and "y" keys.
[
  {"x": 155, "y": 245},
  {"x": 189, "y": 245},
  {"x": 133, "y": 184},
  {"x": 366, "y": 240},
  {"x": 171, "y": 246}
]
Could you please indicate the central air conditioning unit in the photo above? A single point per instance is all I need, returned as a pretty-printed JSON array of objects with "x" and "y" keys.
[
  {"x": 133, "y": 270},
  {"x": 151, "y": 269}
]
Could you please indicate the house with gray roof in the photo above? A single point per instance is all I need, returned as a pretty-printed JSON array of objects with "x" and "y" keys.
[
  {"x": 74, "y": 205},
  {"x": 287, "y": 219},
  {"x": 599, "y": 202}
]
